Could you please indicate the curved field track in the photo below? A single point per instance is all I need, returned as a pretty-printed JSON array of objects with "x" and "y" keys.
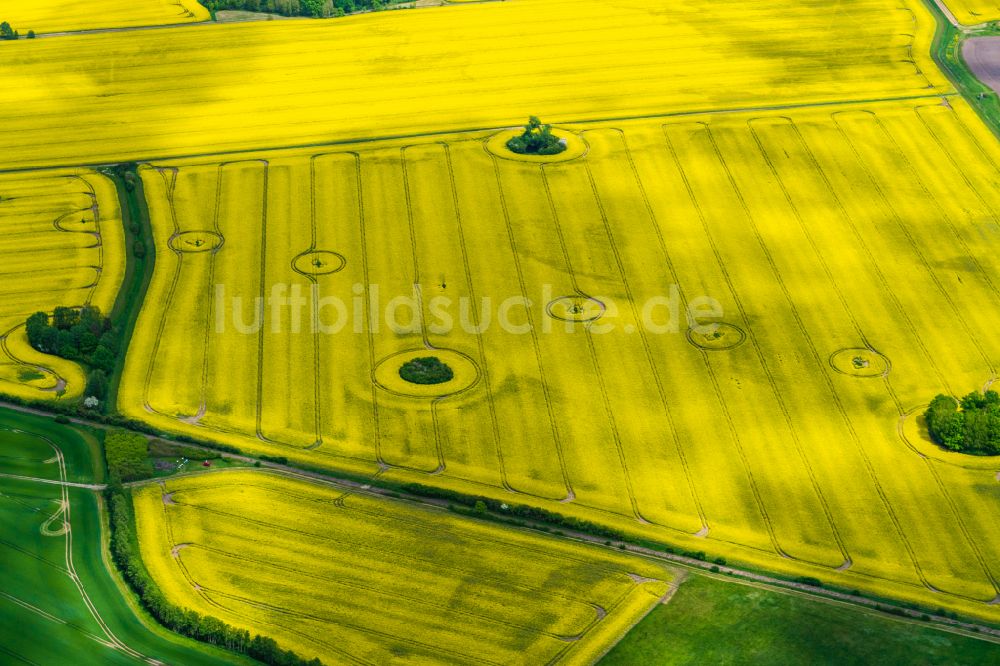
[
  {"x": 58, "y": 602},
  {"x": 63, "y": 245},
  {"x": 357, "y": 579}
]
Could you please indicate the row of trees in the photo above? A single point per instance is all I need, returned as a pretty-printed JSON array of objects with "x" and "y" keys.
[
  {"x": 125, "y": 553},
  {"x": 971, "y": 425},
  {"x": 7, "y": 32},
  {"x": 83, "y": 335},
  {"x": 314, "y": 8}
]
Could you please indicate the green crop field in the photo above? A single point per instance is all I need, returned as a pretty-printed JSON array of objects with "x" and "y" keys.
[
  {"x": 714, "y": 621},
  {"x": 58, "y": 600}
]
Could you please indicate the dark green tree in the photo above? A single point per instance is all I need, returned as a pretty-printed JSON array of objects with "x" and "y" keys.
[
  {"x": 97, "y": 385},
  {"x": 970, "y": 425},
  {"x": 426, "y": 370},
  {"x": 536, "y": 139}
]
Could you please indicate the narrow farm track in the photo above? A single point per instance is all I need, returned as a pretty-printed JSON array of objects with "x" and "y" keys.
[{"x": 68, "y": 484}]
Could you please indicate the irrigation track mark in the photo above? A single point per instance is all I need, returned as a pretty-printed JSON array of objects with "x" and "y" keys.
[
  {"x": 418, "y": 292},
  {"x": 591, "y": 347},
  {"x": 810, "y": 156},
  {"x": 758, "y": 348},
  {"x": 201, "y": 592},
  {"x": 689, "y": 188},
  {"x": 623, "y": 274},
  {"x": 470, "y": 285},
  {"x": 535, "y": 344}
]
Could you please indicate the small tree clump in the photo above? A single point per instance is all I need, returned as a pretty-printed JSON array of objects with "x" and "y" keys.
[
  {"x": 426, "y": 370},
  {"x": 971, "y": 425},
  {"x": 7, "y": 32},
  {"x": 537, "y": 139}
]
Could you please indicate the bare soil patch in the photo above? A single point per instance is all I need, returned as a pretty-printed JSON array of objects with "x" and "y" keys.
[{"x": 982, "y": 54}]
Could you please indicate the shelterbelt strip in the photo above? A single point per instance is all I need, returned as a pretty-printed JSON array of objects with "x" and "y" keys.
[
  {"x": 220, "y": 88},
  {"x": 62, "y": 245},
  {"x": 54, "y": 16}
]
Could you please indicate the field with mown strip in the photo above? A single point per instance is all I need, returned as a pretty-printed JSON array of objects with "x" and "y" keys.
[
  {"x": 851, "y": 249},
  {"x": 44, "y": 16},
  {"x": 58, "y": 602},
  {"x": 216, "y": 88},
  {"x": 358, "y": 579},
  {"x": 63, "y": 245}
]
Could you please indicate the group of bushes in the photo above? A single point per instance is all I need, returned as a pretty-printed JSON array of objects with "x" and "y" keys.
[
  {"x": 160, "y": 449},
  {"x": 127, "y": 454},
  {"x": 971, "y": 425},
  {"x": 7, "y": 32},
  {"x": 125, "y": 553},
  {"x": 426, "y": 370},
  {"x": 314, "y": 8},
  {"x": 536, "y": 139},
  {"x": 80, "y": 334}
]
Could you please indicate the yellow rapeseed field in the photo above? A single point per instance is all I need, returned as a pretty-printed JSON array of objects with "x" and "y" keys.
[
  {"x": 972, "y": 12},
  {"x": 46, "y": 16},
  {"x": 851, "y": 248},
  {"x": 352, "y": 578},
  {"x": 802, "y": 163},
  {"x": 219, "y": 88},
  {"x": 62, "y": 245}
]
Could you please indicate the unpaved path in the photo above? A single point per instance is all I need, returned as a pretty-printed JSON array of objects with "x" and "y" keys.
[
  {"x": 68, "y": 484},
  {"x": 947, "y": 13},
  {"x": 982, "y": 55}
]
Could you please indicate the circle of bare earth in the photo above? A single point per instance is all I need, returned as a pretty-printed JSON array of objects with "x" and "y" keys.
[
  {"x": 725, "y": 337},
  {"x": 576, "y": 147},
  {"x": 196, "y": 241},
  {"x": 466, "y": 374},
  {"x": 860, "y": 362},
  {"x": 318, "y": 262},
  {"x": 562, "y": 309}
]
